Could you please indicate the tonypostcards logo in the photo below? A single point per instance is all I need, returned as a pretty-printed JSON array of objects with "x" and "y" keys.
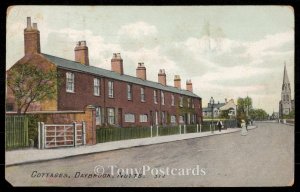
[{"x": 144, "y": 170}]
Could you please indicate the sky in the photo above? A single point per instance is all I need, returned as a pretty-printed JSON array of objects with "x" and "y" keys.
[{"x": 227, "y": 51}]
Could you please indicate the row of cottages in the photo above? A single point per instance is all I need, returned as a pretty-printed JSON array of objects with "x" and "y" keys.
[{"x": 120, "y": 100}]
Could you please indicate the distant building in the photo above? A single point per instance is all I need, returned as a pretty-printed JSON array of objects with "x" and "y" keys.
[
  {"x": 286, "y": 104},
  {"x": 217, "y": 109}
]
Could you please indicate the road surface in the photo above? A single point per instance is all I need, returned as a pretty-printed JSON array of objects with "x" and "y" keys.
[{"x": 265, "y": 157}]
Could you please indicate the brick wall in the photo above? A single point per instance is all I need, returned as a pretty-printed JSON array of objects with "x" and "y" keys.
[
  {"x": 69, "y": 117},
  {"x": 84, "y": 95}
]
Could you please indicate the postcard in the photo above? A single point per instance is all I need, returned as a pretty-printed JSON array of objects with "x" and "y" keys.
[{"x": 150, "y": 96}]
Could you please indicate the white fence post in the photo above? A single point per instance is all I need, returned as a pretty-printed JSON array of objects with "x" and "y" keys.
[
  {"x": 43, "y": 129},
  {"x": 180, "y": 129},
  {"x": 184, "y": 128},
  {"x": 83, "y": 133},
  {"x": 74, "y": 134},
  {"x": 197, "y": 128},
  {"x": 156, "y": 130},
  {"x": 200, "y": 127},
  {"x": 151, "y": 129},
  {"x": 39, "y": 135}
]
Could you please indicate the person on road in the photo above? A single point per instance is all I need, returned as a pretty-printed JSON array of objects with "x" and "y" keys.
[
  {"x": 244, "y": 131},
  {"x": 219, "y": 125}
]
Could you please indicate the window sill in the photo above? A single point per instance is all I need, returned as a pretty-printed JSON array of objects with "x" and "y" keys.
[{"x": 70, "y": 91}]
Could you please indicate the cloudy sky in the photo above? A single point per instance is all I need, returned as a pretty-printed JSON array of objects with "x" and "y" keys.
[{"x": 227, "y": 51}]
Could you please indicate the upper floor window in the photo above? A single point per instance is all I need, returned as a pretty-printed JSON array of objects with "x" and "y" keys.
[
  {"x": 155, "y": 96},
  {"x": 188, "y": 102},
  {"x": 110, "y": 89},
  {"x": 96, "y": 86},
  {"x": 181, "y": 101},
  {"x": 142, "y": 94},
  {"x": 193, "y": 105},
  {"x": 70, "y": 82},
  {"x": 172, "y": 100},
  {"x": 162, "y": 98},
  {"x": 129, "y": 92}
]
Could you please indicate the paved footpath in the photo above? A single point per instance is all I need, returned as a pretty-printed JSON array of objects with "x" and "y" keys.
[{"x": 16, "y": 157}]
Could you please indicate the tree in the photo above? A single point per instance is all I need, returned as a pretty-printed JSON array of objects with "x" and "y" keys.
[
  {"x": 224, "y": 114},
  {"x": 30, "y": 84},
  {"x": 258, "y": 114},
  {"x": 244, "y": 106},
  {"x": 291, "y": 115}
]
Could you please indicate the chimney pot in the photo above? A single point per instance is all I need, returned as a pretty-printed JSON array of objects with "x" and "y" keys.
[
  {"x": 82, "y": 53},
  {"x": 141, "y": 71},
  {"x": 117, "y": 63},
  {"x": 177, "y": 81},
  {"x": 189, "y": 85},
  {"x": 31, "y": 38},
  {"x": 34, "y": 25},
  {"x": 28, "y": 23},
  {"x": 162, "y": 77}
]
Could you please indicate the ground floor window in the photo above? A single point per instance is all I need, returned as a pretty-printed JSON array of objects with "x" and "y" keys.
[
  {"x": 173, "y": 119},
  {"x": 129, "y": 118},
  {"x": 143, "y": 118},
  {"x": 181, "y": 119},
  {"x": 98, "y": 116},
  {"x": 163, "y": 117},
  {"x": 156, "y": 117},
  {"x": 111, "y": 116}
]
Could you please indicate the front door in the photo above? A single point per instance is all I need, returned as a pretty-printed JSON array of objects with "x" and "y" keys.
[{"x": 120, "y": 120}]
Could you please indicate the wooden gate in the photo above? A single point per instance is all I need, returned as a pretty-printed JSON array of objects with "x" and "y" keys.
[{"x": 61, "y": 135}]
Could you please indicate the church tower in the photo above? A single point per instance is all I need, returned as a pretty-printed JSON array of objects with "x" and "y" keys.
[{"x": 285, "y": 105}]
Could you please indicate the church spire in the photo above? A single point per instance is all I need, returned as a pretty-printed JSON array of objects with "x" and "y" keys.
[{"x": 285, "y": 76}]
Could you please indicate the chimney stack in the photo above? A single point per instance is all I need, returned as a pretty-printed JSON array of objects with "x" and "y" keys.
[
  {"x": 162, "y": 77},
  {"x": 117, "y": 63},
  {"x": 82, "y": 53},
  {"x": 31, "y": 38},
  {"x": 141, "y": 71},
  {"x": 177, "y": 81},
  {"x": 189, "y": 85},
  {"x": 225, "y": 100}
]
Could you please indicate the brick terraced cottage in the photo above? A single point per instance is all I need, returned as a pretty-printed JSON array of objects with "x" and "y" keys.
[{"x": 119, "y": 99}]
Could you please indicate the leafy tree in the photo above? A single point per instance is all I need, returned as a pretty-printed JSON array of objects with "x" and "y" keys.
[
  {"x": 291, "y": 115},
  {"x": 30, "y": 84},
  {"x": 244, "y": 106},
  {"x": 258, "y": 114},
  {"x": 224, "y": 114}
]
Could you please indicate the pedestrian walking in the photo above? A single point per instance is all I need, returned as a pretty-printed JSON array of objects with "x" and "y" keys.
[
  {"x": 244, "y": 131},
  {"x": 219, "y": 125}
]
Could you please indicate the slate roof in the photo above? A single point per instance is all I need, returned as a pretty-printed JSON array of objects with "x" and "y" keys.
[
  {"x": 216, "y": 105},
  {"x": 73, "y": 65}
]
